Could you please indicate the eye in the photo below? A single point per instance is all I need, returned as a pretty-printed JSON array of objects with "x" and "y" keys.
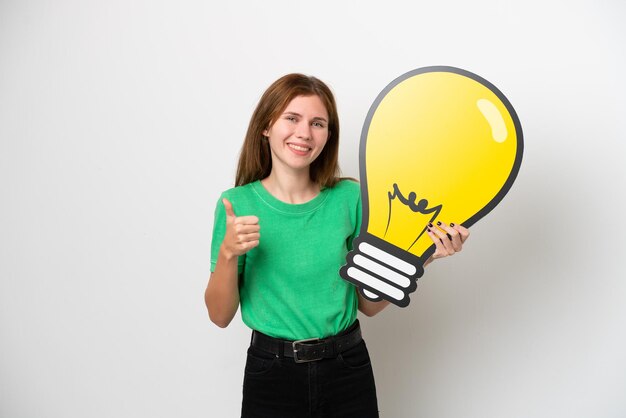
[
  {"x": 291, "y": 118},
  {"x": 318, "y": 124}
]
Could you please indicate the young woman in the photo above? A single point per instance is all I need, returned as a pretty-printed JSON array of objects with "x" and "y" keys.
[{"x": 279, "y": 239}]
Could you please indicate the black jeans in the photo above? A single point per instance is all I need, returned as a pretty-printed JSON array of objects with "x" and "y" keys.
[{"x": 342, "y": 387}]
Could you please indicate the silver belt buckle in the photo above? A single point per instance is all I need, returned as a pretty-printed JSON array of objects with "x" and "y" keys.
[{"x": 295, "y": 350}]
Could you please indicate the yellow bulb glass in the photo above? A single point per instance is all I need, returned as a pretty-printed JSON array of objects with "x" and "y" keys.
[
  {"x": 445, "y": 137},
  {"x": 439, "y": 143}
]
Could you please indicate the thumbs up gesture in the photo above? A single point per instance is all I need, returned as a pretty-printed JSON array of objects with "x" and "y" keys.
[{"x": 242, "y": 232}]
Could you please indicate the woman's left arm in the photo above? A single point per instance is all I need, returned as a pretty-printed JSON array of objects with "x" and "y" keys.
[
  {"x": 368, "y": 307},
  {"x": 448, "y": 240}
]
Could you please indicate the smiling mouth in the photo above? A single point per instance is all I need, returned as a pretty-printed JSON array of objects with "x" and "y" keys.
[{"x": 299, "y": 148}]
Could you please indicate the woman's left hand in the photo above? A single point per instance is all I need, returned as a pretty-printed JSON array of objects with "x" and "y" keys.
[{"x": 448, "y": 239}]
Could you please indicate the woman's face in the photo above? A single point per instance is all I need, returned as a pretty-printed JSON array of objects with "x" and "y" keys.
[{"x": 299, "y": 134}]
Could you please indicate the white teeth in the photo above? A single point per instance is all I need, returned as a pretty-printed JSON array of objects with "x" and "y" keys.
[{"x": 298, "y": 147}]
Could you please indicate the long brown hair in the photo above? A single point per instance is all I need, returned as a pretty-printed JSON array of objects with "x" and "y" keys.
[{"x": 255, "y": 161}]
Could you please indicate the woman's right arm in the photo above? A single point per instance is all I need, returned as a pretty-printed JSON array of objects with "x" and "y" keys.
[{"x": 222, "y": 293}]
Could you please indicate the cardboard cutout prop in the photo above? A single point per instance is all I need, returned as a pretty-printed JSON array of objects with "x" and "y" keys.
[{"x": 437, "y": 143}]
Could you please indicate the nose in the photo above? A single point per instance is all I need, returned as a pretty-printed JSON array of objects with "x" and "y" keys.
[{"x": 303, "y": 130}]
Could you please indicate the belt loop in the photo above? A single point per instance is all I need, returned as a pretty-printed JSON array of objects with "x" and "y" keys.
[
  {"x": 281, "y": 349},
  {"x": 333, "y": 347}
]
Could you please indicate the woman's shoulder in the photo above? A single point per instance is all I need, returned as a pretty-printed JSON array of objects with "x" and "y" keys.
[
  {"x": 348, "y": 185},
  {"x": 238, "y": 191},
  {"x": 243, "y": 198},
  {"x": 346, "y": 189}
]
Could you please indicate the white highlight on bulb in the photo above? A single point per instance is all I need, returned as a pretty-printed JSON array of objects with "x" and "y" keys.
[{"x": 495, "y": 119}]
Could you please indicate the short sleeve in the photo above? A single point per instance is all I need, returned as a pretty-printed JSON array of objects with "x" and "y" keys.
[{"x": 219, "y": 230}]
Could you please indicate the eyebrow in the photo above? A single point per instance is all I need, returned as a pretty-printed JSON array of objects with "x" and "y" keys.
[{"x": 299, "y": 115}]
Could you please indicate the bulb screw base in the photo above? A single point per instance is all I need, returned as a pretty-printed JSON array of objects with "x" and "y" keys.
[{"x": 381, "y": 270}]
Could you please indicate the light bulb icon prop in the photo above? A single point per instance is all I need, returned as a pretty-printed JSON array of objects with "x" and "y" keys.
[{"x": 438, "y": 143}]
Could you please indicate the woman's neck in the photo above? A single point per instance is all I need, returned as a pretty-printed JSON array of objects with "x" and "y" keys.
[{"x": 290, "y": 188}]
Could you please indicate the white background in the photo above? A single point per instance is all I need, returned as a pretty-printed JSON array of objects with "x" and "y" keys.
[{"x": 121, "y": 122}]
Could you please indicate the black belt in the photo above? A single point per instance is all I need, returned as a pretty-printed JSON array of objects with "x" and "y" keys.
[{"x": 309, "y": 350}]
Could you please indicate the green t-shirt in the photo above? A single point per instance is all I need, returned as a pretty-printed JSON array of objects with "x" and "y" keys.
[{"x": 289, "y": 284}]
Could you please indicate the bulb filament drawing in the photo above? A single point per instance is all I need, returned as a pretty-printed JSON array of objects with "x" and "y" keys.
[{"x": 420, "y": 207}]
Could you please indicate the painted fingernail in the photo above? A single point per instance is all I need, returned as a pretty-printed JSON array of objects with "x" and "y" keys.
[
  {"x": 430, "y": 224},
  {"x": 428, "y": 229},
  {"x": 449, "y": 236},
  {"x": 439, "y": 223},
  {"x": 451, "y": 224}
]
